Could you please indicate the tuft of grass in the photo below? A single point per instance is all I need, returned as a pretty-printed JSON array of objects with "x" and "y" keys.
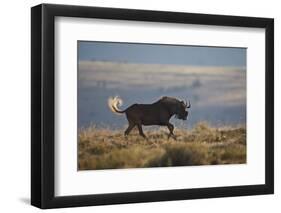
[{"x": 202, "y": 145}]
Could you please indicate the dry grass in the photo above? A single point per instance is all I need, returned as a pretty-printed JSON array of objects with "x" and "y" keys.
[{"x": 203, "y": 145}]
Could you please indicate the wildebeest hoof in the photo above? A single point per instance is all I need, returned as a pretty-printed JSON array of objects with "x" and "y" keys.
[
  {"x": 144, "y": 137},
  {"x": 173, "y": 136}
]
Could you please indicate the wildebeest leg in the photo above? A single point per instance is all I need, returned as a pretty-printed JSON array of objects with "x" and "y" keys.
[
  {"x": 171, "y": 129},
  {"x": 140, "y": 131},
  {"x": 129, "y": 129}
]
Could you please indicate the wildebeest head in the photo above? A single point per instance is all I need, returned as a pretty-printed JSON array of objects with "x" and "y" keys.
[
  {"x": 177, "y": 107},
  {"x": 182, "y": 112}
]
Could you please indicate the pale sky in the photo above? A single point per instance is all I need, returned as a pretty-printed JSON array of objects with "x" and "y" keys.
[{"x": 161, "y": 54}]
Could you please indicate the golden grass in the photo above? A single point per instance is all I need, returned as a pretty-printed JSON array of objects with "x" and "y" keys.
[{"x": 202, "y": 145}]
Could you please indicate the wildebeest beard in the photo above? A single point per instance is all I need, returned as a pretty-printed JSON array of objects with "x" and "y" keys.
[{"x": 182, "y": 116}]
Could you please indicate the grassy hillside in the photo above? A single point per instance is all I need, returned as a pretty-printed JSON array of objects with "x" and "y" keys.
[{"x": 202, "y": 145}]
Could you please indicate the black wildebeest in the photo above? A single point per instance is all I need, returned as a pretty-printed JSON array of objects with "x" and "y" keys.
[{"x": 158, "y": 113}]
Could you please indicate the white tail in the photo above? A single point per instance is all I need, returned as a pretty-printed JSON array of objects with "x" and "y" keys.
[{"x": 114, "y": 104}]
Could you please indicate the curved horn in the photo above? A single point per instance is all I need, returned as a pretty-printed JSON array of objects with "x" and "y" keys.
[{"x": 189, "y": 105}]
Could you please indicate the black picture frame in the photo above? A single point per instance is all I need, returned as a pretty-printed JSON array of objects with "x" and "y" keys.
[{"x": 43, "y": 102}]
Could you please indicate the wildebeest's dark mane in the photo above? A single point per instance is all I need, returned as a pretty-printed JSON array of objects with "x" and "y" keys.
[{"x": 167, "y": 99}]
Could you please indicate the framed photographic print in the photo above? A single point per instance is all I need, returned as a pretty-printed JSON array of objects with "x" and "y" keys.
[{"x": 139, "y": 106}]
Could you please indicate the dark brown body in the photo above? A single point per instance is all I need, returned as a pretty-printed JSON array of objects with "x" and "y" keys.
[{"x": 158, "y": 113}]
